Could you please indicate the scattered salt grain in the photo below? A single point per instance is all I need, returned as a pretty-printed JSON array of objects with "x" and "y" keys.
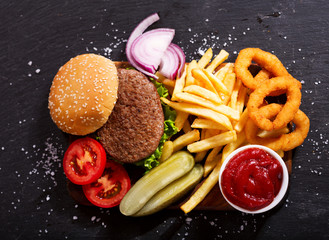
[
  {"x": 37, "y": 70},
  {"x": 29, "y": 63},
  {"x": 75, "y": 217}
]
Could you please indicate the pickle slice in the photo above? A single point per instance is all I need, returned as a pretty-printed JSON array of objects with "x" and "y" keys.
[
  {"x": 173, "y": 192},
  {"x": 145, "y": 188}
]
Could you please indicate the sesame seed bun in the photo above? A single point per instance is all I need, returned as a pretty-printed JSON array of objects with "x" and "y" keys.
[{"x": 83, "y": 94}]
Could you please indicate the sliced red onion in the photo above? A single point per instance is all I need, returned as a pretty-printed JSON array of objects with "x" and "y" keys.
[
  {"x": 152, "y": 50},
  {"x": 169, "y": 63},
  {"x": 141, "y": 27},
  {"x": 148, "y": 49},
  {"x": 172, "y": 62},
  {"x": 181, "y": 56}
]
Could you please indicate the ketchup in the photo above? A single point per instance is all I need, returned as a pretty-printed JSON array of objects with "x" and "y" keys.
[{"x": 252, "y": 178}]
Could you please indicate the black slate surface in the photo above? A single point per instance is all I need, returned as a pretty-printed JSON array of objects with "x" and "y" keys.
[{"x": 37, "y": 37}]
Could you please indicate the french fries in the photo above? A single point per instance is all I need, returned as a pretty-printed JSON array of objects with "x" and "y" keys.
[
  {"x": 185, "y": 139},
  {"x": 200, "y": 155},
  {"x": 218, "y": 84},
  {"x": 200, "y": 111},
  {"x": 212, "y": 142},
  {"x": 209, "y": 90},
  {"x": 206, "y": 124},
  {"x": 221, "y": 73},
  {"x": 229, "y": 148},
  {"x": 220, "y": 58},
  {"x": 187, "y": 127},
  {"x": 203, "y": 190},
  {"x": 229, "y": 81},
  {"x": 181, "y": 118},
  {"x": 222, "y": 109},
  {"x": 211, "y": 160},
  {"x": 242, "y": 122},
  {"x": 204, "y": 80},
  {"x": 205, "y": 59},
  {"x": 189, "y": 78},
  {"x": 167, "y": 151},
  {"x": 203, "y": 92},
  {"x": 179, "y": 85}
]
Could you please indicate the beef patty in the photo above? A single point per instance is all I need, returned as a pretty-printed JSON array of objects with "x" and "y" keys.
[{"x": 136, "y": 124}]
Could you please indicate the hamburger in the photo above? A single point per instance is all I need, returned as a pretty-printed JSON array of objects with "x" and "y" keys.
[
  {"x": 83, "y": 94},
  {"x": 90, "y": 94}
]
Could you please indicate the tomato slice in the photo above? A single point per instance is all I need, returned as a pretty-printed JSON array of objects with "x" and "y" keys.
[
  {"x": 84, "y": 161},
  {"x": 110, "y": 188}
]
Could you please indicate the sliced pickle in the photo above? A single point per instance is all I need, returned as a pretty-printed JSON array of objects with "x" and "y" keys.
[
  {"x": 145, "y": 188},
  {"x": 173, "y": 192}
]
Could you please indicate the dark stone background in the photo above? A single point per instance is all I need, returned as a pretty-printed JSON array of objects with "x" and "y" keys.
[{"x": 37, "y": 37}]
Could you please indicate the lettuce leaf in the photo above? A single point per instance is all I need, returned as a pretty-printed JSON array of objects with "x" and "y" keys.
[{"x": 169, "y": 129}]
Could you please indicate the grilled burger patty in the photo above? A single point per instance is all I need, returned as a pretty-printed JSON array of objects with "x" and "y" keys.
[{"x": 136, "y": 124}]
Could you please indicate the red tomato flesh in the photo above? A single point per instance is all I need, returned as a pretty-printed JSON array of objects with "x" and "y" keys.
[
  {"x": 84, "y": 161},
  {"x": 110, "y": 188}
]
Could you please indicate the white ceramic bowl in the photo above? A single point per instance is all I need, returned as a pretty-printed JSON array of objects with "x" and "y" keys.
[{"x": 284, "y": 185}]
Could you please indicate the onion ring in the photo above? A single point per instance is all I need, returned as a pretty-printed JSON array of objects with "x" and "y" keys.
[
  {"x": 256, "y": 99},
  {"x": 266, "y": 60},
  {"x": 284, "y": 142},
  {"x": 262, "y": 75}
]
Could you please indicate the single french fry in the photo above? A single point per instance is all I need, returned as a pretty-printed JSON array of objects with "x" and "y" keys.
[
  {"x": 235, "y": 93},
  {"x": 211, "y": 160},
  {"x": 212, "y": 142},
  {"x": 273, "y": 133},
  {"x": 242, "y": 121},
  {"x": 211, "y": 165},
  {"x": 205, "y": 59},
  {"x": 222, "y": 109},
  {"x": 206, "y": 124},
  {"x": 189, "y": 78},
  {"x": 241, "y": 101},
  {"x": 186, "y": 139},
  {"x": 181, "y": 118},
  {"x": 221, "y": 73},
  {"x": 167, "y": 151},
  {"x": 200, "y": 155},
  {"x": 218, "y": 84},
  {"x": 201, "y": 112},
  {"x": 168, "y": 82},
  {"x": 206, "y": 133},
  {"x": 230, "y": 147},
  {"x": 179, "y": 85},
  {"x": 229, "y": 82},
  {"x": 220, "y": 58},
  {"x": 203, "y": 190},
  {"x": 203, "y": 92},
  {"x": 202, "y": 77},
  {"x": 187, "y": 126}
]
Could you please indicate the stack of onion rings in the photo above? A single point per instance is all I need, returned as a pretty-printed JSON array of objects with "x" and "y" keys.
[
  {"x": 283, "y": 142},
  {"x": 266, "y": 60},
  {"x": 256, "y": 99},
  {"x": 272, "y": 80}
]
